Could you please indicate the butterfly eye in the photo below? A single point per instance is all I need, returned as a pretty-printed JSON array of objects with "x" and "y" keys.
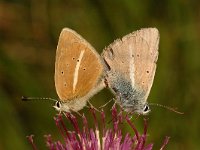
[
  {"x": 146, "y": 109},
  {"x": 58, "y": 104}
]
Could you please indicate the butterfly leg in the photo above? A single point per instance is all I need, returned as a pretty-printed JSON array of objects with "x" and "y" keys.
[
  {"x": 106, "y": 103},
  {"x": 71, "y": 110},
  {"x": 91, "y": 106},
  {"x": 106, "y": 82}
]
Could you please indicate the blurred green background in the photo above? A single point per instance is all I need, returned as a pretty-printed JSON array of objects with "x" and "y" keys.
[{"x": 29, "y": 31}]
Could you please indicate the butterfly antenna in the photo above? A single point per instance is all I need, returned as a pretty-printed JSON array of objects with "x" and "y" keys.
[
  {"x": 24, "y": 98},
  {"x": 167, "y": 107}
]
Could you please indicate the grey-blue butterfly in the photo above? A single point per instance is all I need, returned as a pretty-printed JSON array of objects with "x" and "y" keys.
[{"x": 130, "y": 65}]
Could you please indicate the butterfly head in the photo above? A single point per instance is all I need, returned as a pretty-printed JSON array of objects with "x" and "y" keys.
[
  {"x": 143, "y": 109},
  {"x": 60, "y": 107},
  {"x": 140, "y": 109}
]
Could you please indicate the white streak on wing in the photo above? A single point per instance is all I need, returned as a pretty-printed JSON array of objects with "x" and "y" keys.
[
  {"x": 77, "y": 69},
  {"x": 131, "y": 67}
]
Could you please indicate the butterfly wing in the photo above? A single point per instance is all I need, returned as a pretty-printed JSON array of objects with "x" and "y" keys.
[
  {"x": 133, "y": 59},
  {"x": 145, "y": 50},
  {"x": 78, "y": 66}
]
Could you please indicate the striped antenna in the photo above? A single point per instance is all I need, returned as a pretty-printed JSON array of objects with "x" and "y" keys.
[
  {"x": 24, "y": 98},
  {"x": 166, "y": 107}
]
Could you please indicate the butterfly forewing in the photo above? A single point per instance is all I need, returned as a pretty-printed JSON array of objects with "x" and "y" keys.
[
  {"x": 117, "y": 57},
  {"x": 134, "y": 59},
  {"x": 145, "y": 44},
  {"x": 75, "y": 60}
]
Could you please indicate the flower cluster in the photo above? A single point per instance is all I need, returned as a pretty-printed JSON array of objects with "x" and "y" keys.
[{"x": 85, "y": 138}]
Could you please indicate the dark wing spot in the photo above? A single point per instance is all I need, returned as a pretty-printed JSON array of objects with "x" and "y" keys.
[
  {"x": 73, "y": 58},
  {"x": 138, "y": 55},
  {"x": 77, "y": 60},
  {"x": 106, "y": 63},
  {"x": 62, "y": 72},
  {"x": 147, "y": 71},
  {"x": 111, "y": 50},
  {"x": 115, "y": 89},
  {"x": 132, "y": 55},
  {"x": 110, "y": 54}
]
